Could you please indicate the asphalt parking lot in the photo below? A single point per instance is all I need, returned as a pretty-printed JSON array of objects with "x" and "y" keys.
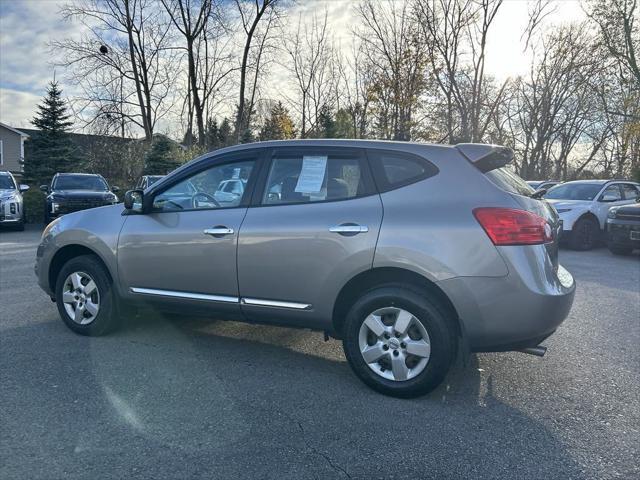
[{"x": 183, "y": 398}]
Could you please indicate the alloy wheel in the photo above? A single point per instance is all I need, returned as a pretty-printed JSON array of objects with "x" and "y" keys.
[
  {"x": 394, "y": 344},
  {"x": 81, "y": 298}
]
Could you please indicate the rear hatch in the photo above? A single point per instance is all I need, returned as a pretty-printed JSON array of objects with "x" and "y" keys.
[{"x": 493, "y": 161}]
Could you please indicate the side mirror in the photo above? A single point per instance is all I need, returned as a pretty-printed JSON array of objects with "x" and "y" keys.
[
  {"x": 115, "y": 189},
  {"x": 24, "y": 188},
  {"x": 133, "y": 200},
  {"x": 44, "y": 188},
  {"x": 609, "y": 197}
]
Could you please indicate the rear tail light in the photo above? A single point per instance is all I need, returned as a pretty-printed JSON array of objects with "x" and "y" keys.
[{"x": 508, "y": 226}]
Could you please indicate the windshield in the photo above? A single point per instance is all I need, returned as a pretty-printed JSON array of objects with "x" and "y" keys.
[
  {"x": 6, "y": 183},
  {"x": 574, "y": 191},
  {"x": 509, "y": 181},
  {"x": 79, "y": 182}
]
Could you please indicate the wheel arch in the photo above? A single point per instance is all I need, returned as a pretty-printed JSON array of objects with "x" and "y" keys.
[
  {"x": 369, "y": 279},
  {"x": 68, "y": 252},
  {"x": 591, "y": 215}
]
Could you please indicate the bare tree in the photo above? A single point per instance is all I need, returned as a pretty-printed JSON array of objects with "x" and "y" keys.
[
  {"x": 208, "y": 53},
  {"x": 127, "y": 43},
  {"x": 398, "y": 59},
  {"x": 618, "y": 21},
  {"x": 250, "y": 18},
  {"x": 451, "y": 28},
  {"x": 312, "y": 62}
]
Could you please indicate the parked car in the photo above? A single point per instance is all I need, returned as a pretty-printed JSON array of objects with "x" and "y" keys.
[
  {"x": 229, "y": 191},
  {"x": 146, "y": 181},
  {"x": 11, "y": 203},
  {"x": 544, "y": 184},
  {"x": 623, "y": 229},
  {"x": 583, "y": 206},
  {"x": 72, "y": 192},
  {"x": 307, "y": 245}
]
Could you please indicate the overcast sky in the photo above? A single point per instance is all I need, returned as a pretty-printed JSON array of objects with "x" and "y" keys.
[{"x": 27, "y": 26}]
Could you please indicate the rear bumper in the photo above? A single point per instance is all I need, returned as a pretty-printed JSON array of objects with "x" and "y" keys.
[{"x": 515, "y": 311}]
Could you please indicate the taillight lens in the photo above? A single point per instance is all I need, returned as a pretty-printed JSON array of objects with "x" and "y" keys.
[{"x": 508, "y": 226}]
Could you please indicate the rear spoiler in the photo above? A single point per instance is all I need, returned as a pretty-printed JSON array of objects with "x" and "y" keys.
[{"x": 486, "y": 157}]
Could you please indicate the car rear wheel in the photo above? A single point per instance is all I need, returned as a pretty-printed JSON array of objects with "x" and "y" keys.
[
  {"x": 398, "y": 341},
  {"x": 584, "y": 235},
  {"x": 84, "y": 297}
]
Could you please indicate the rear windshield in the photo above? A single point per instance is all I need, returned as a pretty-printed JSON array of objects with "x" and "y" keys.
[
  {"x": 79, "y": 182},
  {"x": 509, "y": 181}
]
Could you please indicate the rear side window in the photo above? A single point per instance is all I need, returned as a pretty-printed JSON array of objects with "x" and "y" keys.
[
  {"x": 393, "y": 170},
  {"x": 509, "y": 181},
  {"x": 315, "y": 177}
]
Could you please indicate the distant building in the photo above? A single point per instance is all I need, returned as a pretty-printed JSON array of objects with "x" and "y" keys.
[{"x": 12, "y": 149}]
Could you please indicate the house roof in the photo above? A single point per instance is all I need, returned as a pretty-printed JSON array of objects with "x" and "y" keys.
[{"x": 22, "y": 134}]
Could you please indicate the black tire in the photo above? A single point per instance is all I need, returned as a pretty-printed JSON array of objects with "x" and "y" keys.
[
  {"x": 585, "y": 234},
  {"x": 438, "y": 324},
  {"x": 620, "y": 249},
  {"x": 20, "y": 226},
  {"x": 107, "y": 318}
]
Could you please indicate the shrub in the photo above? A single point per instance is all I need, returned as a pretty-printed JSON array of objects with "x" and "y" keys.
[{"x": 34, "y": 204}]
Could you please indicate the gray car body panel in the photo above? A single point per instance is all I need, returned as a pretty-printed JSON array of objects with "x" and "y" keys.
[
  {"x": 96, "y": 229},
  {"x": 285, "y": 253}
]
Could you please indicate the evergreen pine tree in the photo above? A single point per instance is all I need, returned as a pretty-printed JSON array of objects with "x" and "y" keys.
[
  {"x": 326, "y": 123},
  {"x": 52, "y": 149},
  {"x": 279, "y": 125},
  {"x": 212, "y": 138},
  {"x": 224, "y": 133},
  {"x": 163, "y": 156}
]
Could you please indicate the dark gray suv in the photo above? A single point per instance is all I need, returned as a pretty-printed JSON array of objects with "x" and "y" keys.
[{"x": 405, "y": 251}]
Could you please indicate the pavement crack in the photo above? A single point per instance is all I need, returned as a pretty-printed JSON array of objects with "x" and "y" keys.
[{"x": 335, "y": 467}]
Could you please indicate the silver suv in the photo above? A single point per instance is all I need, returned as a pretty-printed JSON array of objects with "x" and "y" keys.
[{"x": 404, "y": 251}]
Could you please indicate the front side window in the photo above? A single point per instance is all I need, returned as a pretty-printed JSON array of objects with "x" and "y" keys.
[
  {"x": 206, "y": 189},
  {"x": 313, "y": 178},
  {"x": 611, "y": 194},
  {"x": 80, "y": 182}
]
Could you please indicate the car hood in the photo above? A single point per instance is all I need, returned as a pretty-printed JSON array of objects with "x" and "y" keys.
[
  {"x": 566, "y": 204},
  {"x": 631, "y": 210},
  {"x": 6, "y": 192},
  {"x": 82, "y": 195}
]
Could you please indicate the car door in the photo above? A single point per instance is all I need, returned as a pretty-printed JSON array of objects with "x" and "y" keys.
[
  {"x": 184, "y": 249},
  {"x": 313, "y": 224},
  {"x": 610, "y": 196}
]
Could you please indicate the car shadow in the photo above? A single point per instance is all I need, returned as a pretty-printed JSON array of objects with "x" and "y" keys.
[{"x": 181, "y": 397}]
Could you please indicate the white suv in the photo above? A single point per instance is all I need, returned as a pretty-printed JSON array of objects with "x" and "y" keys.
[
  {"x": 11, "y": 203},
  {"x": 583, "y": 206}
]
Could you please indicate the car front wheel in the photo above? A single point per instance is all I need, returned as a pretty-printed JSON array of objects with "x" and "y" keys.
[
  {"x": 584, "y": 235},
  {"x": 398, "y": 341},
  {"x": 84, "y": 297}
]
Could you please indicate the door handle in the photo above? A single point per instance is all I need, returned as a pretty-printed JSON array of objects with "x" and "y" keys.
[
  {"x": 220, "y": 231},
  {"x": 349, "y": 229}
]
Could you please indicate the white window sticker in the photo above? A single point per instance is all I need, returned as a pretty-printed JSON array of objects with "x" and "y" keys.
[{"x": 312, "y": 174}]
